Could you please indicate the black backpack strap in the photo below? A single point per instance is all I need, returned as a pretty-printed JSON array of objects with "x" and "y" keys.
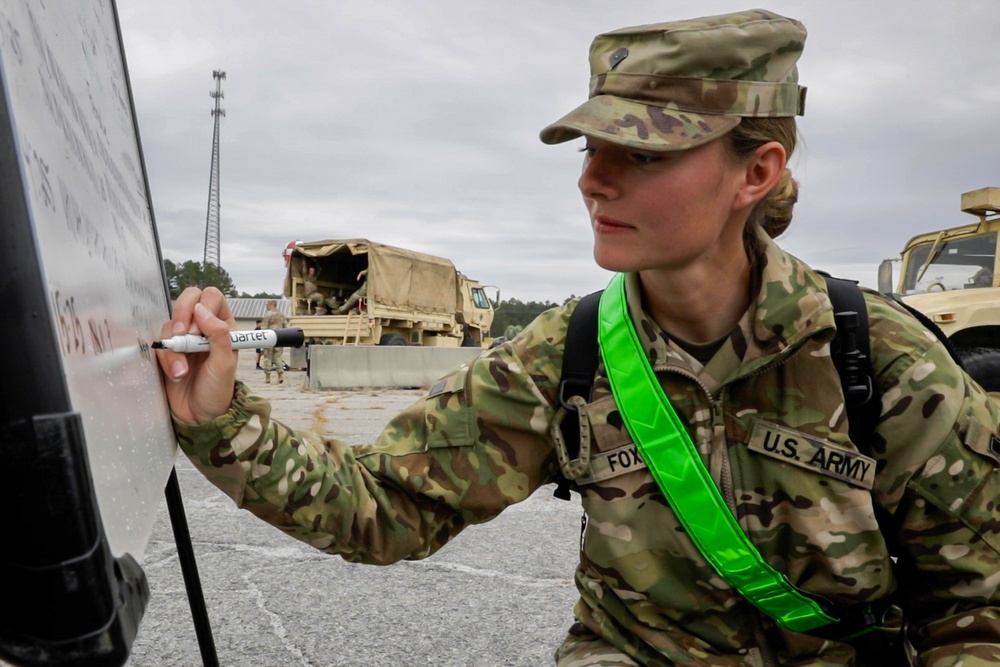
[
  {"x": 851, "y": 352},
  {"x": 580, "y": 359}
]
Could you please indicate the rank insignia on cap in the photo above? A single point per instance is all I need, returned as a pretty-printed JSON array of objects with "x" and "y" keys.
[{"x": 618, "y": 56}]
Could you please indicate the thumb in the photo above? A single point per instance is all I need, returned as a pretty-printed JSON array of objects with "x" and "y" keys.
[{"x": 212, "y": 388}]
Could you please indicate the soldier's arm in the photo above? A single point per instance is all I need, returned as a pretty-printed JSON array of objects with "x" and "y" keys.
[
  {"x": 474, "y": 445},
  {"x": 952, "y": 531},
  {"x": 942, "y": 481}
]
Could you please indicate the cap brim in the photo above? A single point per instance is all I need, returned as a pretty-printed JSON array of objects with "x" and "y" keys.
[{"x": 638, "y": 125}]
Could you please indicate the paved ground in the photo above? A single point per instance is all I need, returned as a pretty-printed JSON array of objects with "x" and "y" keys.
[{"x": 500, "y": 594}]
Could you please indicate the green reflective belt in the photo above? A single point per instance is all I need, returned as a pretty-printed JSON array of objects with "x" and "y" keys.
[{"x": 674, "y": 462}]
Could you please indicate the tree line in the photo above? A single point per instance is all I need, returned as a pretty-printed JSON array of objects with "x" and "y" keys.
[
  {"x": 512, "y": 315},
  {"x": 196, "y": 274}
]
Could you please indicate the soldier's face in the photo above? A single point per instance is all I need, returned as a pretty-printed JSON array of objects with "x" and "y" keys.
[{"x": 662, "y": 210}]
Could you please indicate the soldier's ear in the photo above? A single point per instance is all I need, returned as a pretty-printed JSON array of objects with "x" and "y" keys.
[{"x": 761, "y": 172}]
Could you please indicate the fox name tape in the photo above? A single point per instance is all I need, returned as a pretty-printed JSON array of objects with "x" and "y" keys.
[{"x": 241, "y": 340}]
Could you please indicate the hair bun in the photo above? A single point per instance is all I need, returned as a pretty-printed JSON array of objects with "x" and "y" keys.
[{"x": 777, "y": 207}]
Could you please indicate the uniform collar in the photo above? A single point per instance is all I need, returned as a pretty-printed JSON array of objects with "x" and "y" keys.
[
  {"x": 791, "y": 306},
  {"x": 792, "y": 303}
]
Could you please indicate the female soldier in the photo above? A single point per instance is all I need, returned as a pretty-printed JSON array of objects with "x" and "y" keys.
[{"x": 688, "y": 128}]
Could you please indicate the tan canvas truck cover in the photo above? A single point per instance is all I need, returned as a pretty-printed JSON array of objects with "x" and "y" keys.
[{"x": 397, "y": 278}]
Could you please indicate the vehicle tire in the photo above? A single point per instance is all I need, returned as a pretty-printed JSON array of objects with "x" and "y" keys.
[
  {"x": 983, "y": 365},
  {"x": 392, "y": 339}
]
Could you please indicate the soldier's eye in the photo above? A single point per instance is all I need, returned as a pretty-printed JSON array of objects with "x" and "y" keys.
[{"x": 645, "y": 158}]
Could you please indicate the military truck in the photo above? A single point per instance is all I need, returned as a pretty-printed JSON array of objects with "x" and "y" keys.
[
  {"x": 952, "y": 276},
  {"x": 409, "y": 298}
]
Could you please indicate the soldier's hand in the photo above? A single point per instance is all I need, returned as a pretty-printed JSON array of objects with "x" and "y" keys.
[{"x": 200, "y": 386}]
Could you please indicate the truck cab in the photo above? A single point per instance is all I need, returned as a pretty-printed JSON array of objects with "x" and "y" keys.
[
  {"x": 953, "y": 276},
  {"x": 475, "y": 312}
]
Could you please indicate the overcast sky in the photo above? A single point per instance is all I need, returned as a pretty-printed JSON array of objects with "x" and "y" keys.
[{"x": 415, "y": 123}]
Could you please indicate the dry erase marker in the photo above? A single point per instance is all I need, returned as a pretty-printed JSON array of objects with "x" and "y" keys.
[{"x": 242, "y": 340}]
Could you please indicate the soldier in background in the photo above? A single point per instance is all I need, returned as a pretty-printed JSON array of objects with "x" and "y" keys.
[
  {"x": 358, "y": 294},
  {"x": 260, "y": 351},
  {"x": 274, "y": 356},
  {"x": 310, "y": 286}
]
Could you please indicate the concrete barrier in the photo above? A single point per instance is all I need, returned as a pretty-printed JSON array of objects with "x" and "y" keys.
[
  {"x": 349, "y": 366},
  {"x": 298, "y": 358}
]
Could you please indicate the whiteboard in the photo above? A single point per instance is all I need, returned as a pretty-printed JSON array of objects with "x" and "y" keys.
[{"x": 102, "y": 295}]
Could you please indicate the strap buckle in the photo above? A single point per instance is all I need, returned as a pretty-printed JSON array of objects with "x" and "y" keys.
[
  {"x": 574, "y": 386},
  {"x": 857, "y": 620}
]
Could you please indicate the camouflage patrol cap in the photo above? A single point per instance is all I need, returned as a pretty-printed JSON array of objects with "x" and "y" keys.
[{"x": 673, "y": 86}]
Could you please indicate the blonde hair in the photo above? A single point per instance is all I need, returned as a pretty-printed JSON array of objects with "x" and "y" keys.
[{"x": 773, "y": 213}]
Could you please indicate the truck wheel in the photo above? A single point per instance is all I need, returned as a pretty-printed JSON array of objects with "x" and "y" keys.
[
  {"x": 392, "y": 339},
  {"x": 983, "y": 365}
]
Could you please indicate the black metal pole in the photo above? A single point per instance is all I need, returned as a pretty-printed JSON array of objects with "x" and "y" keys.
[{"x": 185, "y": 552}]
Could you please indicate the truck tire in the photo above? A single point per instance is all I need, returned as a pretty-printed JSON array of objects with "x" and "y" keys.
[
  {"x": 983, "y": 365},
  {"x": 392, "y": 339}
]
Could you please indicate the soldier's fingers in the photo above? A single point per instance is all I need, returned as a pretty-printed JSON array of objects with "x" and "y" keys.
[
  {"x": 173, "y": 365},
  {"x": 215, "y": 303},
  {"x": 213, "y": 388},
  {"x": 212, "y": 327},
  {"x": 183, "y": 313},
  {"x": 221, "y": 356}
]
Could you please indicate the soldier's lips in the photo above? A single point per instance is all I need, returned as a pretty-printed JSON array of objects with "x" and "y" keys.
[{"x": 605, "y": 225}]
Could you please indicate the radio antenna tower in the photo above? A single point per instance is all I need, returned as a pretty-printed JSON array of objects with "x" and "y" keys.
[{"x": 212, "y": 222}]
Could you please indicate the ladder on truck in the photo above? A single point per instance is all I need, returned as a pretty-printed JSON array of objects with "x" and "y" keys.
[{"x": 357, "y": 325}]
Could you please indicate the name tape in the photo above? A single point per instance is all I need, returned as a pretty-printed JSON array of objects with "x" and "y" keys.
[
  {"x": 813, "y": 454},
  {"x": 605, "y": 465}
]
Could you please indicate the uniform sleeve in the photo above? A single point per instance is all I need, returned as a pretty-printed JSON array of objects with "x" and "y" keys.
[
  {"x": 477, "y": 443},
  {"x": 941, "y": 480}
]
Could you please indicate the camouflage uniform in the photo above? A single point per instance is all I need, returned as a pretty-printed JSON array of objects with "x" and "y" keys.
[
  {"x": 766, "y": 414},
  {"x": 274, "y": 356},
  {"x": 358, "y": 294},
  {"x": 481, "y": 441}
]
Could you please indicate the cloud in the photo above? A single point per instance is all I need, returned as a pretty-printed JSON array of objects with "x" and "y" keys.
[{"x": 417, "y": 125}]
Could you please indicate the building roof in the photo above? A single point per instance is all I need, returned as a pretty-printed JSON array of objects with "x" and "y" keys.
[{"x": 254, "y": 309}]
